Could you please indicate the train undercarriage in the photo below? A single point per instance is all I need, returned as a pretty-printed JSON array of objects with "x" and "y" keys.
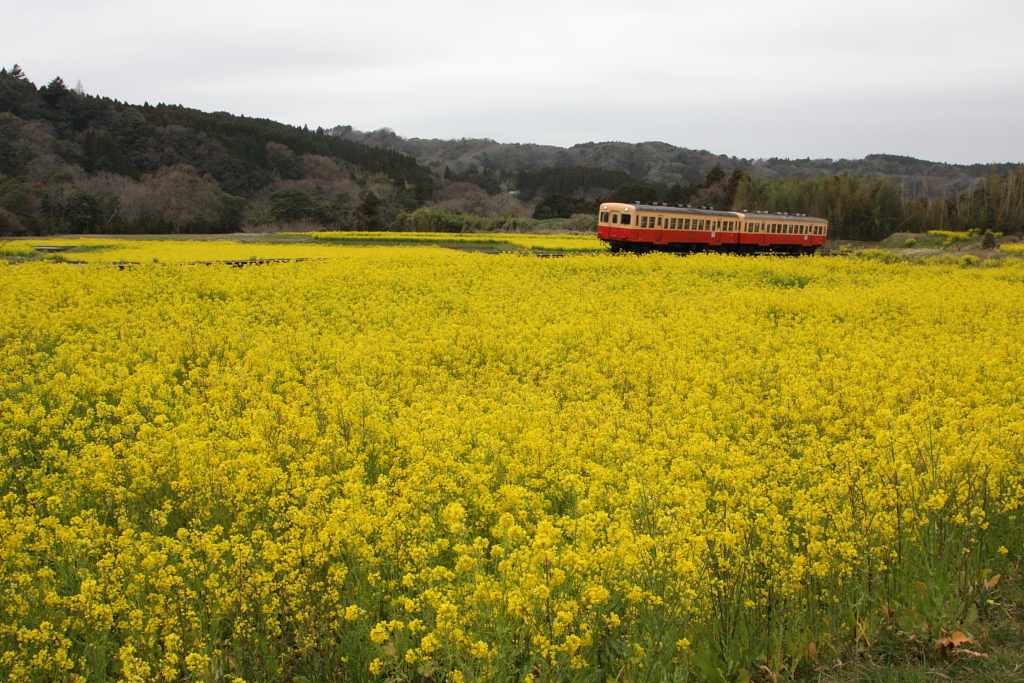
[{"x": 622, "y": 246}]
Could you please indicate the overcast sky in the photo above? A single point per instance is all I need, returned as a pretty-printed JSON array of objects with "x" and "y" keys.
[{"x": 934, "y": 79}]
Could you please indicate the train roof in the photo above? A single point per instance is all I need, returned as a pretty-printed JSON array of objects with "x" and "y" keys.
[{"x": 752, "y": 215}]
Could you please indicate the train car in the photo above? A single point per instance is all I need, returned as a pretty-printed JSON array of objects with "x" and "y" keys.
[{"x": 649, "y": 227}]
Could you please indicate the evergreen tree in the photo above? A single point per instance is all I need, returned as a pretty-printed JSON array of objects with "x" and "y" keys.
[
  {"x": 562, "y": 206},
  {"x": 369, "y": 212},
  {"x": 290, "y": 205},
  {"x": 732, "y": 185},
  {"x": 54, "y": 92},
  {"x": 715, "y": 175},
  {"x": 675, "y": 195},
  {"x": 103, "y": 154},
  {"x": 635, "y": 192}
]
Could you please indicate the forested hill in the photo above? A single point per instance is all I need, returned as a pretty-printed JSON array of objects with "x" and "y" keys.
[
  {"x": 143, "y": 138},
  {"x": 70, "y": 161},
  {"x": 662, "y": 163}
]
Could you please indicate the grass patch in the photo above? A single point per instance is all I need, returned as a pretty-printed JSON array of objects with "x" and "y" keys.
[{"x": 995, "y": 655}]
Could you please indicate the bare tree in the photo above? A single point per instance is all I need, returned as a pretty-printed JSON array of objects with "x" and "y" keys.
[{"x": 184, "y": 198}]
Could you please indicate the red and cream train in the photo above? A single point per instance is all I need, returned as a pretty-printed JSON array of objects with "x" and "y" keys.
[{"x": 647, "y": 227}]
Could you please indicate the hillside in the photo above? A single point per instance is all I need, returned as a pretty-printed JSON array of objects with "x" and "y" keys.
[
  {"x": 74, "y": 162},
  {"x": 662, "y": 163}
]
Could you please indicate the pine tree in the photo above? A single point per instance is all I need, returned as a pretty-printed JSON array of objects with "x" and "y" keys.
[
  {"x": 54, "y": 91},
  {"x": 733, "y": 185},
  {"x": 715, "y": 175},
  {"x": 368, "y": 213}
]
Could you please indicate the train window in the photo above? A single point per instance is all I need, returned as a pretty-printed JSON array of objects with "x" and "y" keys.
[
  {"x": 687, "y": 223},
  {"x": 625, "y": 219},
  {"x": 604, "y": 217},
  {"x": 615, "y": 218},
  {"x": 659, "y": 221},
  {"x": 672, "y": 224},
  {"x": 643, "y": 221}
]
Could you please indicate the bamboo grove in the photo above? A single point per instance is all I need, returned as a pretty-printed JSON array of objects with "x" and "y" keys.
[{"x": 412, "y": 464}]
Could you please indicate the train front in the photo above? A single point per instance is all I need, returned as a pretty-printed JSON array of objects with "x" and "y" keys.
[{"x": 616, "y": 223}]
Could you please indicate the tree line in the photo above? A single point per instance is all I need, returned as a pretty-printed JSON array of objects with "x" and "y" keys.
[
  {"x": 76, "y": 163},
  {"x": 857, "y": 207}
]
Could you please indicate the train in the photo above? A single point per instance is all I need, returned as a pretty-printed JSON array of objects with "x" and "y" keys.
[{"x": 659, "y": 227}]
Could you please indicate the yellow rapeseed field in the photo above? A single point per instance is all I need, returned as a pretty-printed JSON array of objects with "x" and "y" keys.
[
  {"x": 324, "y": 245},
  {"x": 413, "y": 463},
  {"x": 563, "y": 242}
]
